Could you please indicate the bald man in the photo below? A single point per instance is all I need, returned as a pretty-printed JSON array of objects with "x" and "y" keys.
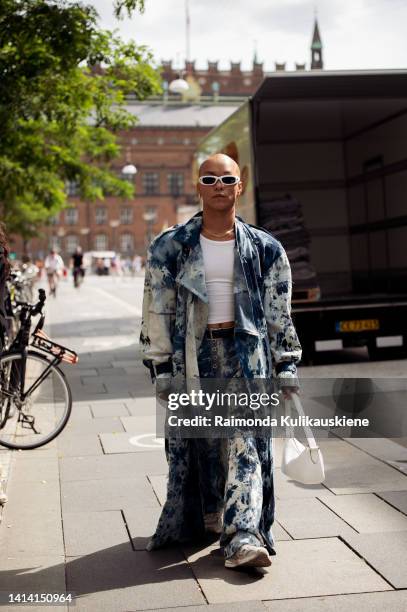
[{"x": 217, "y": 302}]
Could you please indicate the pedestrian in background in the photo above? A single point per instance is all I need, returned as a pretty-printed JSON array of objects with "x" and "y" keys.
[
  {"x": 54, "y": 266},
  {"x": 137, "y": 264},
  {"x": 217, "y": 304},
  {"x": 106, "y": 266},
  {"x": 78, "y": 269}
]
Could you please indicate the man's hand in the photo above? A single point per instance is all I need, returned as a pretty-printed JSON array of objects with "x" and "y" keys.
[
  {"x": 163, "y": 386},
  {"x": 288, "y": 391}
]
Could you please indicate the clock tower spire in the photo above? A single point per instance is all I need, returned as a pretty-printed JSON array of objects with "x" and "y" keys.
[{"x": 316, "y": 48}]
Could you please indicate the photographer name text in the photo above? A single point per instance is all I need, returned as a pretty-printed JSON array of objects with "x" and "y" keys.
[{"x": 268, "y": 421}]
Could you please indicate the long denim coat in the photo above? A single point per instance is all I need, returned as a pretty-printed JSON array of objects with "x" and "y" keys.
[{"x": 175, "y": 316}]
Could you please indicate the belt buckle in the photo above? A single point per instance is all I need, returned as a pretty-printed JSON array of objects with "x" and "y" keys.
[{"x": 210, "y": 331}]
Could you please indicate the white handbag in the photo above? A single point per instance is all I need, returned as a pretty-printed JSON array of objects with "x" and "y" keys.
[{"x": 305, "y": 464}]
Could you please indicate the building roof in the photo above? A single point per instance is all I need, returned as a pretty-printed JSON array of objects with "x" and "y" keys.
[{"x": 181, "y": 115}]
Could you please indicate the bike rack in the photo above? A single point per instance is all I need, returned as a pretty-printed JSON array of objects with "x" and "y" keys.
[{"x": 42, "y": 341}]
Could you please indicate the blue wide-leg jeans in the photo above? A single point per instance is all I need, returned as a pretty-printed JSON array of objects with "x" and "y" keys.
[{"x": 236, "y": 473}]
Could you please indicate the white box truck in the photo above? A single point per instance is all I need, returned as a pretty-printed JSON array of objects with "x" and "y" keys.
[{"x": 323, "y": 157}]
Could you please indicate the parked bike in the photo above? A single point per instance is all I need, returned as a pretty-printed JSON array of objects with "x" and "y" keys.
[
  {"x": 35, "y": 397},
  {"x": 19, "y": 289}
]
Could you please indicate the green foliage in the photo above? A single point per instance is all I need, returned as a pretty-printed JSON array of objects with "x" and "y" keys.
[
  {"x": 63, "y": 86},
  {"x": 128, "y": 6}
]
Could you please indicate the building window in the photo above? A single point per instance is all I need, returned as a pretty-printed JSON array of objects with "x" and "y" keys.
[
  {"x": 126, "y": 215},
  {"x": 151, "y": 183},
  {"x": 72, "y": 188},
  {"x": 54, "y": 220},
  {"x": 101, "y": 215},
  {"x": 71, "y": 242},
  {"x": 100, "y": 242},
  {"x": 71, "y": 216},
  {"x": 126, "y": 243},
  {"x": 175, "y": 183}
]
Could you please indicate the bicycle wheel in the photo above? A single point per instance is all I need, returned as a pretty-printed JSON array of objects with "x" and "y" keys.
[{"x": 43, "y": 411}]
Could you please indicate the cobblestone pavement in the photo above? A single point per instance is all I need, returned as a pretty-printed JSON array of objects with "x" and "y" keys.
[{"x": 81, "y": 509}]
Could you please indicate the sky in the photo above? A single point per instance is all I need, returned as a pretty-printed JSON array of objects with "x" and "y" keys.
[{"x": 356, "y": 34}]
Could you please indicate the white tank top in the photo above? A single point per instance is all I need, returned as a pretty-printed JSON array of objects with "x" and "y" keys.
[{"x": 218, "y": 256}]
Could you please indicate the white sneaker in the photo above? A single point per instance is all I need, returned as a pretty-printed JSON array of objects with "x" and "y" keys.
[
  {"x": 213, "y": 522},
  {"x": 249, "y": 556}
]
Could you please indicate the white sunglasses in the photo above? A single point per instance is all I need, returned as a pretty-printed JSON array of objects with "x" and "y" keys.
[{"x": 226, "y": 179}]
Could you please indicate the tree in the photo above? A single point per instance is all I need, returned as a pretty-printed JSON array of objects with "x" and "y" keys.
[
  {"x": 129, "y": 6},
  {"x": 60, "y": 112}
]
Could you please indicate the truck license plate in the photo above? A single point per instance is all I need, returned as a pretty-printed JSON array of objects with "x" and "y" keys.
[{"x": 358, "y": 325}]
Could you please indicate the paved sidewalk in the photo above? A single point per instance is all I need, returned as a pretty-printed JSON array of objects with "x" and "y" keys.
[{"x": 82, "y": 508}]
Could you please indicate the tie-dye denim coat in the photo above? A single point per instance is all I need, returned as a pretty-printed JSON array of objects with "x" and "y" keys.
[{"x": 174, "y": 319}]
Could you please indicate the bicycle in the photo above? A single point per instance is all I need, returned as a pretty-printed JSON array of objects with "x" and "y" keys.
[
  {"x": 78, "y": 276},
  {"x": 35, "y": 397},
  {"x": 53, "y": 278}
]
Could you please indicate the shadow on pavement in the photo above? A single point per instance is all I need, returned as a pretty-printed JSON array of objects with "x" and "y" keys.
[{"x": 119, "y": 567}]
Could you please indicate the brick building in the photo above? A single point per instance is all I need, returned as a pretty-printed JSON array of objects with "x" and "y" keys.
[
  {"x": 234, "y": 81},
  {"x": 161, "y": 147},
  {"x": 215, "y": 82}
]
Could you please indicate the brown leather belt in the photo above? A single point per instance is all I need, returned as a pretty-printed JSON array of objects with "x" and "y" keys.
[{"x": 220, "y": 332}]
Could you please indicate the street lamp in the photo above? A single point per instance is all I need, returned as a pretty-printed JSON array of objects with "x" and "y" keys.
[
  {"x": 60, "y": 233},
  {"x": 114, "y": 223},
  {"x": 180, "y": 85},
  {"x": 129, "y": 171},
  {"x": 85, "y": 231},
  {"x": 150, "y": 217}
]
